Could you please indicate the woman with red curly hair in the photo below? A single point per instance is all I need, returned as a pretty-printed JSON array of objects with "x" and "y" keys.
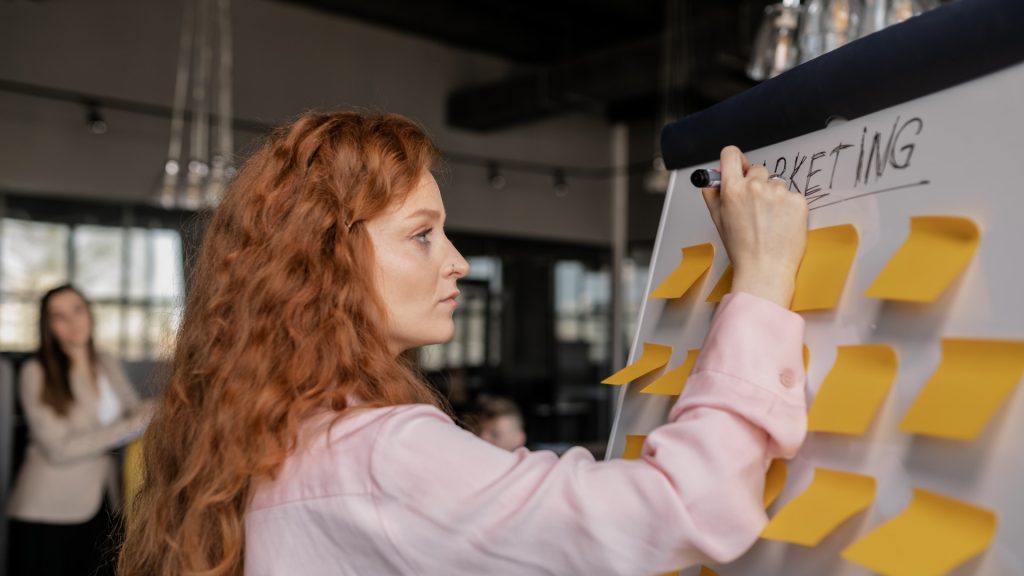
[{"x": 295, "y": 438}]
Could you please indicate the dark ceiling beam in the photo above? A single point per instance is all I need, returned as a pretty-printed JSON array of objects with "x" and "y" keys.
[
  {"x": 588, "y": 82},
  {"x": 535, "y": 32},
  {"x": 622, "y": 85}
]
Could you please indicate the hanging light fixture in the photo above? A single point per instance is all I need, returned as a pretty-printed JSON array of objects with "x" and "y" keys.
[
  {"x": 656, "y": 179},
  {"x": 673, "y": 77},
  {"x": 840, "y": 22},
  {"x": 824, "y": 25},
  {"x": 205, "y": 46},
  {"x": 775, "y": 46},
  {"x": 900, "y": 10},
  {"x": 811, "y": 35},
  {"x": 874, "y": 16}
]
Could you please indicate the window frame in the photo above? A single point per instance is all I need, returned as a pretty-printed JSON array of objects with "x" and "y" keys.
[{"x": 127, "y": 218}]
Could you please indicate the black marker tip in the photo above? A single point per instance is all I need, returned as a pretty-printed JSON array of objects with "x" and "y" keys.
[{"x": 700, "y": 178}]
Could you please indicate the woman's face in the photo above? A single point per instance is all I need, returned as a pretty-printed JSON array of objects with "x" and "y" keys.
[
  {"x": 417, "y": 267},
  {"x": 70, "y": 320},
  {"x": 505, "y": 432}
]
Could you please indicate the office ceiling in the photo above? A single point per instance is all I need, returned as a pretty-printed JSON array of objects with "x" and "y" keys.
[{"x": 601, "y": 56}]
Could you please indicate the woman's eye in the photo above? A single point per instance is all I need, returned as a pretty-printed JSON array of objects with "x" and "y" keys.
[{"x": 423, "y": 237}]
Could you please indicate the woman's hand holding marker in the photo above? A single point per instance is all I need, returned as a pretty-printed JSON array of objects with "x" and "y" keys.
[{"x": 763, "y": 227}]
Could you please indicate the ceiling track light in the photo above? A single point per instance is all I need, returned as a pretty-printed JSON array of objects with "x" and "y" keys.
[
  {"x": 94, "y": 118},
  {"x": 561, "y": 184},
  {"x": 495, "y": 177}
]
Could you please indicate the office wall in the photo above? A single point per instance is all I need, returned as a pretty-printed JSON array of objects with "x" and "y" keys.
[{"x": 287, "y": 59}]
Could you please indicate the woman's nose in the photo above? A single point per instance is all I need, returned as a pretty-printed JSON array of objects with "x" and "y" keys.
[{"x": 459, "y": 266}]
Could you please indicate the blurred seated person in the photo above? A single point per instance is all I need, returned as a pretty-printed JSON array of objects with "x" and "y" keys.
[
  {"x": 79, "y": 406},
  {"x": 498, "y": 421}
]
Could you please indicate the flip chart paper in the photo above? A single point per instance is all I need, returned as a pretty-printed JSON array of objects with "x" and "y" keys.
[
  {"x": 933, "y": 535},
  {"x": 722, "y": 287},
  {"x": 826, "y": 264},
  {"x": 634, "y": 444},
  {"x": 832, "y": 498},
  {"x": 775, "y": 481},
  {"x": 672, "y": 382},
  {"x": 654, "y": 356},
  {"x": 972, "y": 381},
  {"x": 935, "y": 253},
  {"x": 696, "y": 261},
  {"x": 854, "y": 389}
]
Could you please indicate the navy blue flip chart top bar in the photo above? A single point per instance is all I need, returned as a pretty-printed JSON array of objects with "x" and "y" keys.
[{"x": 950, "y": 45}]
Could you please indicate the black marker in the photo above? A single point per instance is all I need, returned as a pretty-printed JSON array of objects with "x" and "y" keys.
[
  {"x": 706, "y": 178},
  {"x": 711, "y": 178}
]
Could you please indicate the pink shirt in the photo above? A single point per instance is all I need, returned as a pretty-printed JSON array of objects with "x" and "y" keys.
[{"x": 403, "y": 490}]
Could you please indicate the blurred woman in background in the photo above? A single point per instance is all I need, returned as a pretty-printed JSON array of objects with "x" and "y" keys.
[{"x": 79, "y": 406}]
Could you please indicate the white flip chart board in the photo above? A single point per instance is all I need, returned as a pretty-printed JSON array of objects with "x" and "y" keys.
[{"x": 926, "y": 156}]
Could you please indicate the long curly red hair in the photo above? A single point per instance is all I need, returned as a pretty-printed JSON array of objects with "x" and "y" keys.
[{"x": 282, "y": 321}]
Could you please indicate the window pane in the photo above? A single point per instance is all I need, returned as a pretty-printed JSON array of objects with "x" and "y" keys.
[
  {"x": 634, "y": 283},
  {"x": 567, "y": 329},
  {"x": 454, "y": 351},
  {"x": 167, "y": 274},
  {"x": 485, "y": 268},
  {"x": 598, "y": 288},
  {"x": 134, "y": 336},
  {"x": 140, "y": 260},
  {"x": 163, "y": 326},
  {"x": 19, "y": 326},
  {"x": 568, "y": 287},
  {"x": 106, "y": 329},
  {"x": 476, "y": 333},
  {"x": 35, "y": 256},
  {"x": 98, "y": 261},
  {"x": 583, "y": 307},
  {"x": 432, "y": 358}
]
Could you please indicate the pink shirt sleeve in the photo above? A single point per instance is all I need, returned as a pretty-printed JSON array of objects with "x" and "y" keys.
[{"x": 447, "y": 498}]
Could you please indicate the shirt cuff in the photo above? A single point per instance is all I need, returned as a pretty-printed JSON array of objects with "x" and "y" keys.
[{"x": 752, "y": 364}]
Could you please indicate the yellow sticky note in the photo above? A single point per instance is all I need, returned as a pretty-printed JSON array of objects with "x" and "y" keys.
[
  {"x": 973, "y": 379},
  {"x": 827, "y": 259},
  {"x": 854, "y": 389},
  {"x": 832, "y": 498},
  {"x": 933, "y": 535},
  {"x": 634, "y": 444},
  {"x": 937, "y": 250},
  {"x": 654, "y": 356},
  {"x": 672, "y": 382},
  {"x": 722, "y": 287},
  {"x": 705, "y": 571},
  {"x": 775, "y": 481},
  {"x": 807, "y": 357},
  {"x": 696, "y": 261}
]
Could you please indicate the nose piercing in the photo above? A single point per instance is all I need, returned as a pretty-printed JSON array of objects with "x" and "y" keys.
[{"x": 453, "y": 269}]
